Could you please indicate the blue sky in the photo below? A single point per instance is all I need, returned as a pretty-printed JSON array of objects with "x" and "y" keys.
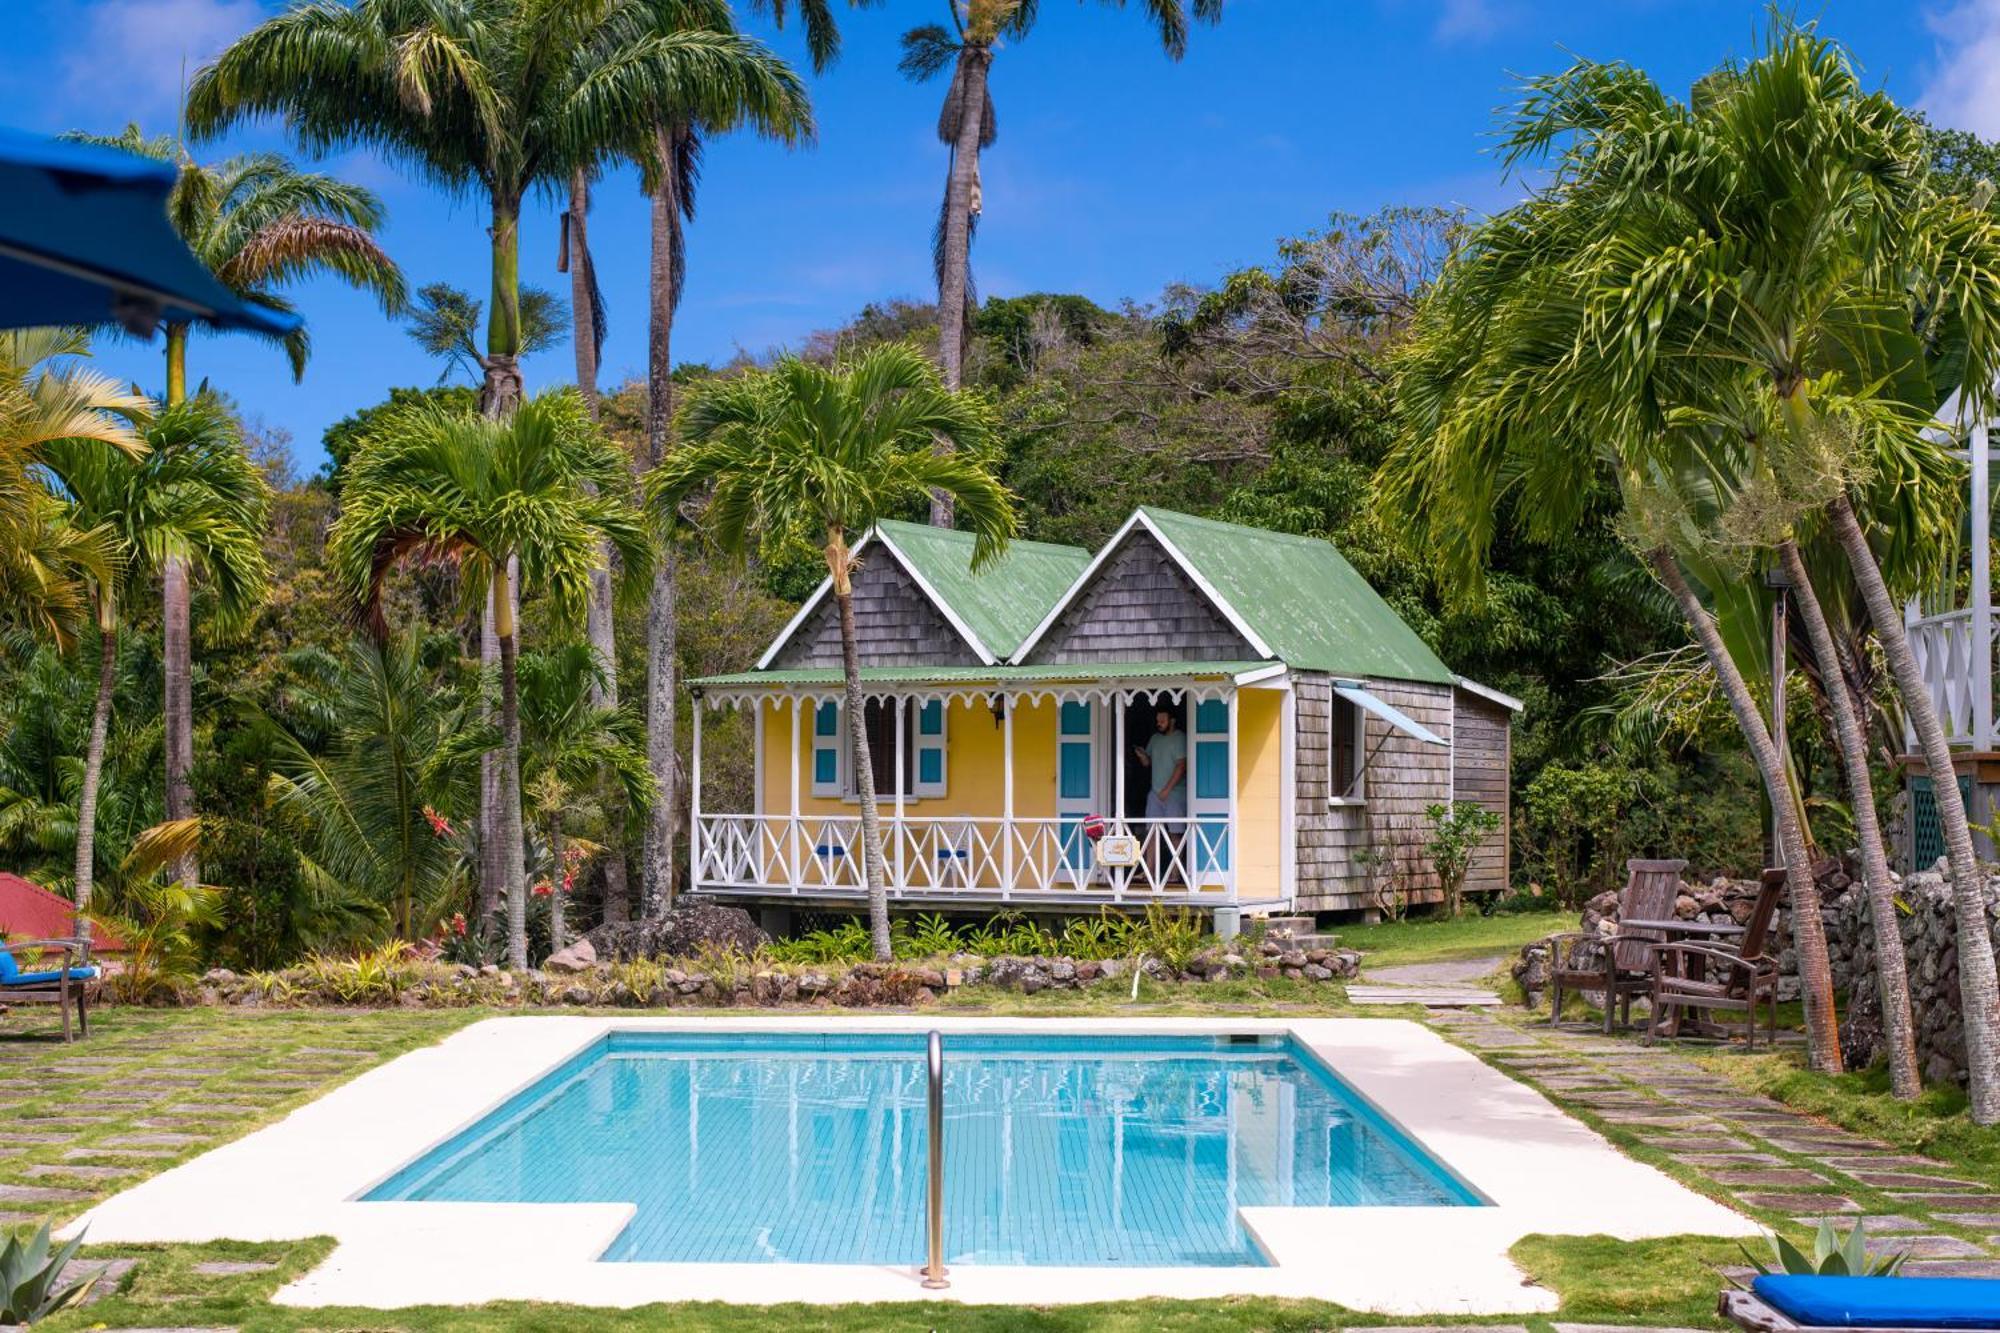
[{"x": 1116, "y": 171}]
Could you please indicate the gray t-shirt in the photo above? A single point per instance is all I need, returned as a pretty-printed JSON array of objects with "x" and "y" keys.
[{"x": 1166, "y": 749}]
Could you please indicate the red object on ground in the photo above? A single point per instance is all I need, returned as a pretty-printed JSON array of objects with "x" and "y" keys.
[{"x": 30, "y": 912}]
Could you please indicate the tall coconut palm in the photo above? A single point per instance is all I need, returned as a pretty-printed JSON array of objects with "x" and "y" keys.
[
  {"x": 536, "y": 492},
  {"x": 1779, "y": 224},
  {"x": 260, "y": 225},
  {"x": 193, "y": 496},
  {"x": 966, "y": 126},
  {"x": 768, "y": 99},
  {"x": 824, "y": 454}
]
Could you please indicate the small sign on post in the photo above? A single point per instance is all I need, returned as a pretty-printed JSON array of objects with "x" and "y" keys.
[{"x": 1118, "y": 849}]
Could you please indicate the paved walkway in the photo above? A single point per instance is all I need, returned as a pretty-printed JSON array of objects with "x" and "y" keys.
[
  {"x": 1757, "y": 1152},
  {"x": 1434, "y": 985}
]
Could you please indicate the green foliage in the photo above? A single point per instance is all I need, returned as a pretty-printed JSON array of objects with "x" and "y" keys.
[
  {"x": 1456, "y": 831},
  {"x": 161, "y": 925},
  {"x": 344, "y": 436},
  {"x": 446, "y": 324},
  {"x": 1832, "y": 1255},
  {"x": 28, "y": 1273}
]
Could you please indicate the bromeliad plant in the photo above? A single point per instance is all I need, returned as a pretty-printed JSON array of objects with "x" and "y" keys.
[
  {"x": 1832, "y": 1255},
  {"x": 28, "y": 1273}
]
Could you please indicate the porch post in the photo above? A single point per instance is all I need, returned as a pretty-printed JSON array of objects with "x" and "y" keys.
[
  {"x": 694, "y": 801},
  {"x": 1235, "y": 769},
  {"x": 1982, "y": 595},
  {"x": 792, "y": 815},
  {"x": 1121, "y": 876},
  {"x": 1006, "y": 794},
  {"x": 900, "y": 704}
]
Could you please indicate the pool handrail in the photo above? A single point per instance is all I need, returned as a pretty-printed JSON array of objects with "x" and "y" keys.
[{"x": 934, "y": 1270}]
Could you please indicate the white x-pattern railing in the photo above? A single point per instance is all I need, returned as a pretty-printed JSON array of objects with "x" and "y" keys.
[
  {"x": 976, "y": 859},
  {"x": 1946, "y": 657}
]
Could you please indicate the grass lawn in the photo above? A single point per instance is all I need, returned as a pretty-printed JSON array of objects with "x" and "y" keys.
[
  {"x": 1428, "y": 940},
  {"x": 182, "y": 1081}
]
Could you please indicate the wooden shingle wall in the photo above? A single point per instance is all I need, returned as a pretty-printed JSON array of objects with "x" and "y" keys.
[
  {"x": 1481, "y": 766},
  {"x": 1140, "y": 607},
  {"x": 894, "y": 624},
  {"x": 1403, "y": 777}
]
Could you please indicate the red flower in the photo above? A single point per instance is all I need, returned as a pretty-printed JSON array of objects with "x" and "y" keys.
[
  {"x": 439, "y": 824},
  {"x": 541, "y": 889},
  {"x": 458, "y": 923}
]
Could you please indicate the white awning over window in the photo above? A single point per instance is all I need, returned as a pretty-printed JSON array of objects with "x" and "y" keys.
[{"x": 1352, "y": 691}]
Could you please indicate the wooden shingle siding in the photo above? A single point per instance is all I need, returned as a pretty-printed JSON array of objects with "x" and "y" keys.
[
  {"x": 1481, "y": 765},
  {"x": 894, "y": 624},
  {"x": 1140, "y": 607},
  {"x": 1404, "y": 776}
]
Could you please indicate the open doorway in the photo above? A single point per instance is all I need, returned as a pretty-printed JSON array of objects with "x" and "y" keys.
[{"x": 1141, "y": 723}]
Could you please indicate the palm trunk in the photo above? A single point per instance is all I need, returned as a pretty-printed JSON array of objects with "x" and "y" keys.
[
  {"x": 662, "y": 648},
  {"x": 960, "y": 202},
  {"x": 499, "y": 395},
  {"x": 601, "y": 626},
  {"x": 873, "y": 869},
  {"x": 177, "y": 647},
  {"x": 556, "y": 875},
  {"x": 511, "y": 840},
  {"x": 1979, "y": 987},
  {"x": 1808, "y": 928},
  {"x": 1892, "y": 968},
  {"x": 93, "y": 767},
  {"x": 178, "y": 706}
]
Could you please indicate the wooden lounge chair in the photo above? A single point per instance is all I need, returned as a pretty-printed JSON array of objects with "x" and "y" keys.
[
  {"x": 1730, "y": 974},
  {"x": 69, "y": 981},
  {"x": 1619, "y": 966},
  {"x": 1799, "y": 1303}
]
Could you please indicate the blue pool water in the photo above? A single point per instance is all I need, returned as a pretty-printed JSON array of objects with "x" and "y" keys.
[{"x": 811, "y": 1149}]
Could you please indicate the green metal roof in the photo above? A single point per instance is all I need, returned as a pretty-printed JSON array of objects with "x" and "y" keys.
[
  {"x": 1302, "y": 598},
  {"x": 978, "y": 675},
  {"x": 1003, "y": 601}
]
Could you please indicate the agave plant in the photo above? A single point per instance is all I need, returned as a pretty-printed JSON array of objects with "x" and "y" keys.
[
  {"x": 28, "y": 1274},
  {"x": 1832, "y": 1255}
]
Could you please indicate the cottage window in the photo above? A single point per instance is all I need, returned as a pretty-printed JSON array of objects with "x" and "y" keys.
[
  {"x": 834, "y": 769},
  {"x": 1346, "y": 754}
]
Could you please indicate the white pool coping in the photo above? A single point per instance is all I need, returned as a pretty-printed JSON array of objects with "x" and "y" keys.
[{"x": 1543, "y": 1172}]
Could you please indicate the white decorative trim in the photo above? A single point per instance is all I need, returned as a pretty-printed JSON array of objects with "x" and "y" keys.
[
  {"x": 1101, "y": 691},
  {"x": 1487, "y": 692}
]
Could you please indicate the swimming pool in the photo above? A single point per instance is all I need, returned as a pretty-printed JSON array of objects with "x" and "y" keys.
[{"x": 1059, "y": 1150}]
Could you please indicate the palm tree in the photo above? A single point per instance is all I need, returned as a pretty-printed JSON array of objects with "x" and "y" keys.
[
  {"x": 45, "y": 562},
  {"x": 194, "y": 496},
  {"x": 260, "y": 225},
  {"x": 445, "y": 323},
  {"x": 491, "y": 496},
  {"x": 375, "y": 798},
  {"x": 578, "y": 753},
  {"x": 803, "y": 451},
  {"x": 770, "y": 100},
  {"x": 1807, "y": 251},
  {"x": 966, "y": 126}
]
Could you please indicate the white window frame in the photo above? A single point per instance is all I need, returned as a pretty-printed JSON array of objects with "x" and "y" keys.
[
  {"x": 844, "y": 788},
  {"x": 1354, "y": 790}
]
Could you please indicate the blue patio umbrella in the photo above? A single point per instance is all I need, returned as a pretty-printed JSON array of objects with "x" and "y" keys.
[{"x": 84, "y": 239}]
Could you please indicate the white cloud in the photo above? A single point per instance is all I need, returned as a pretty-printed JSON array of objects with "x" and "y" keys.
[
  {"x": 130, "y": 60},
  {"x": 1467, "y": 20},
  {"x": 1964, "y": 90}
]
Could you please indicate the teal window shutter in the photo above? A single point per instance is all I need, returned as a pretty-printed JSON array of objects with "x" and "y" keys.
[
  {"x": 930, "y": 748},
  {"x": 826, "y": 749}
]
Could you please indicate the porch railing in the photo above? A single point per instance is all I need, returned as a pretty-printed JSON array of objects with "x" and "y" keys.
[
  {"x": 978, "y": 859},
  {"x": 1953, "y": 672}
]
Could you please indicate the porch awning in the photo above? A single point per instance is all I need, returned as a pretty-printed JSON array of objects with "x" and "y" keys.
[
  {"x": 1352, "y": 691},
  {"x": 983, "y": 675}
]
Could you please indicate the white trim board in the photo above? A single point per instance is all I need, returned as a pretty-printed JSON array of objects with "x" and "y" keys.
[
  {"x": 304, "y": 1175},
  {"x": 1487, "y": 692}
]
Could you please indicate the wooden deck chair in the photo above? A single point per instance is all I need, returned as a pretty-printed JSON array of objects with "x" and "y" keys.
[
  {"x": 68, "y": 980},
  {"x": 1730, "y": 975},
  {"x": 1620, "y": 965}
]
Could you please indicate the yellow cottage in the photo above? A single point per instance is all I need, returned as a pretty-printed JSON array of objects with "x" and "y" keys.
[{"x": 1014, "y": 718}]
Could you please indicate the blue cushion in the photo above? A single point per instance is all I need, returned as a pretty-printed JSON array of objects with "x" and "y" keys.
[
  {"x": 42, "y": 978},
  {"x": 1883, "y": 1302},
  {"x": 9, "y": 969}
]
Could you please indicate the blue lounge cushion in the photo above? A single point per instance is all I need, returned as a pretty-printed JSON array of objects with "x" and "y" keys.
[
  {"x": 44, "y": 978},
  {"x": 9, "y": 969},
  {"x": 1883, "y": 1302}
]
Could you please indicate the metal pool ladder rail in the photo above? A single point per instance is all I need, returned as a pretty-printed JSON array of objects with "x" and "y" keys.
[{"x": 934, "y": 1278}]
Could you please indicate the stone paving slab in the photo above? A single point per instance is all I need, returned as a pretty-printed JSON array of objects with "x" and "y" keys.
[
  {"x": 1952, "y": 1268},
  {"x": 1885, "y": 1224},
  {"x": 1732, "y": 1159},
  {"x": 1885, "y": 1162},
  {"x": 1935, "y": 1202},
  {"x": 233, "y": 1268},
  {"x": 79, "y": 1172},
  {"x": 1974, "y": 1220},
  {"x": 1905, "y": 1180},
  {"x": 1808, "y": 1204},
  {"x": 1776, "y": 1176},
  {"x": 1928, "y": 1247},
  {"x": 40, "y": 1194}
]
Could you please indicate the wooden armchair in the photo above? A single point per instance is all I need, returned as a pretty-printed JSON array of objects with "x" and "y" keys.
[
  {"x": 1724, "y": 974},
  {"x": 1617, "y": 966},
  {"x": 68, "y": 981}
]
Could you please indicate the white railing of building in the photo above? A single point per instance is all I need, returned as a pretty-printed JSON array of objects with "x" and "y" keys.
[
  {"x": 1955, "y": 675},
  {"x": 979, "y": 859}
]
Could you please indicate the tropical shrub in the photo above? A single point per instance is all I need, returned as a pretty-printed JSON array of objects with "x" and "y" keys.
[
  {"x": 1456, "y": 831},
  {"x": 1832, "y": 1255}
]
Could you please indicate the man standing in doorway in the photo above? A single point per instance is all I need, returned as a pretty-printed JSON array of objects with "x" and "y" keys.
[{"x": 1164, "y": 757}]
